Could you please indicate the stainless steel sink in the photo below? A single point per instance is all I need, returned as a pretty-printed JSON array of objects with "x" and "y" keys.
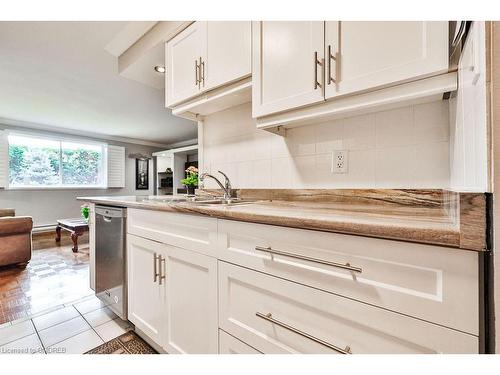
[
  {"x": 197, "y": 200},
  {"x": 223, "y": 202},
  {"x": 154, "y": 199}
]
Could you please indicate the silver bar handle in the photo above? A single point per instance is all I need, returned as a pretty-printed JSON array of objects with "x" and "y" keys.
[
  {"x": 155, "y": 268},
  {"x": 196, "y": 80},
  {"x": 269, "y": 318},
  {"x": 202, "y": 72},
  {"x": 316, "y": 63},
  {"x": 162, "y": 277},
  {"x": 345, "y": 266},
  {"x": 330, "y": 58}
]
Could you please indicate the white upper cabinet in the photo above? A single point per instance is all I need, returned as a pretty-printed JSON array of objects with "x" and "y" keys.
[
  {"x": 229, "y": 52},
  {"x": 351, "y": 57},
  {"x": 367, "y": 55},
  {"x": 204, "y": 56},
  {"x": 183, "y": 57},
  {"x": 287, "y": 59}
]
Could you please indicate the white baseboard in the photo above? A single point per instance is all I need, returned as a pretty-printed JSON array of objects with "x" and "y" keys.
[{"x": 44, "y": 228}]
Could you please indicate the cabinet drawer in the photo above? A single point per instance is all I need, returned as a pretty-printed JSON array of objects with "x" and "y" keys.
[
  {"x": 190, "y": 232},
  {"x": 231, "y": 345},
  {"x": 278, "y": 316},
  {"x": 433, "y": 283}
]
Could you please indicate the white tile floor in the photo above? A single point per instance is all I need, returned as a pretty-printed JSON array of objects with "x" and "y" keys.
[{"x": 72, "y": 329}]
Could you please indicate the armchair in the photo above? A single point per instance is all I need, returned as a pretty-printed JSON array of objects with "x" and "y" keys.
[{"x": 15, "y": 238}]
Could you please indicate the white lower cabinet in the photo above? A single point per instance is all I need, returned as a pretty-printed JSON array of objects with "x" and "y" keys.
[
  {"x": 231, "y": 345},
  {"x": 274, "y": 315},
  {"x": 177, "y": 308},
  {"x": 191, "y": 232},
  {"x": 146, "y": 296},
  {"x": 191, "y": 303},
  {"x": 432, "y": 283},
  {"x": 203, "y": 285}
]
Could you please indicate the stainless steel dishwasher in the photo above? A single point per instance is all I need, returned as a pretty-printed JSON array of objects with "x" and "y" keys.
[{"x": 110, "y": 258}]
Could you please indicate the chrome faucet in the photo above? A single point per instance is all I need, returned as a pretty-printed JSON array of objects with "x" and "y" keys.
[{"x": 226, "y": 187}]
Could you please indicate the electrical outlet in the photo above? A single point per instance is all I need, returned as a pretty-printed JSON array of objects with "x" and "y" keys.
[{"x": 339, "y": 161}]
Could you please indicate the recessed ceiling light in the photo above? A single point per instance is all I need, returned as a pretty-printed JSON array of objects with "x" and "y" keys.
[{"x": 160, "y": 69}]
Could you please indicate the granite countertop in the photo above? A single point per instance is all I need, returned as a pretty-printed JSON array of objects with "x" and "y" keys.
[{"x": 435, "y": 217}]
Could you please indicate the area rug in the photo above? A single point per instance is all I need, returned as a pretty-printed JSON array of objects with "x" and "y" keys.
[{"x": 128, "y": 343}]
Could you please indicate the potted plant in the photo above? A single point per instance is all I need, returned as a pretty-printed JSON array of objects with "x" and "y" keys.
[
  {"x": 191, "y": 180},
  {"x": 85, "y": 211}
]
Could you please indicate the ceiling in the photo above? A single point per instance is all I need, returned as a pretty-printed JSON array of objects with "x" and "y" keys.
[
  {"x": 141, "y": 71},
  {"x": 59, "y": 75}
]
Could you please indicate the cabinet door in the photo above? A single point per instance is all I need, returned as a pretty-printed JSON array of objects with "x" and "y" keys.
[
  {"x": 191, "y": 303},
  {"x": 183, "y": 55},
  {"x": 231, "y": 345},
  {"x": 285, "y": 72},
  {"x": 229, "y": 51},
  {"x": 146, "y": 297},
  {"x": 275, "y": 316},
  {"x": 423, "y": 281},
  {"x": 366, "y": 55}
]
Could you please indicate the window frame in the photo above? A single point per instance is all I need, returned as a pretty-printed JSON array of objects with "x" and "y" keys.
[{"x": 60, "y": 139}]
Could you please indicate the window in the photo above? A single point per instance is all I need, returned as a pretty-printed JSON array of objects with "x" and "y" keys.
[{"x": 48, "y": 162}]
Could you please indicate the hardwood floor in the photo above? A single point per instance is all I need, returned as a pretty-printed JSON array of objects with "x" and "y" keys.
[
  {"x": 45, "y": 240},
  {"x": 54, "y": 276}
]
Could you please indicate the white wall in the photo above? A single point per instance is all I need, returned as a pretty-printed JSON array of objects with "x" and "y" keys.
[
  {"x": 402, "y": 148},
  {"x": 46, "y": 206}
]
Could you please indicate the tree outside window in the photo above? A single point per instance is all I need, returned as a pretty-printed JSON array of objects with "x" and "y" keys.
[{"x": 45, "y": 162}]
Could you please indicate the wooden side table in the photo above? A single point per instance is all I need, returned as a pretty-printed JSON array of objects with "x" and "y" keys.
[{"x": 75, "y": 226}]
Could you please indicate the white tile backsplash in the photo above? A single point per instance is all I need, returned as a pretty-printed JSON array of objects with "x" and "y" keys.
[
  {"x": 281, "y": 173},
  {"x": 401, "y": 148},
  {"x": 431, "y": 164},
  {"x": 395, "y": 167},
  {"x": 304, "y": 172},
  {"x": 394, "y": 128},
  {"x": 261, "y": 170},
  {"x": 329, "y": 136},
  {"x": 301, "y": 141}
]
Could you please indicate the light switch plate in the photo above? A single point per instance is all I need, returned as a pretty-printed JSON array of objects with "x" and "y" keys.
[{"x": 339, "y": 161}]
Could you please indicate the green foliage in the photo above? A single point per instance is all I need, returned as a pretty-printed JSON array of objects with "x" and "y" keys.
[
  {"x": 80, "y": 167},
  {"x": 191, "y": 179},
  {"x": 85, "y": 210},
  {"x": 36, "y": 167},
  {"x": 191, "y": 176},
  {"x": 16, "y": 159},
  {"x": 42, "y": 166}
]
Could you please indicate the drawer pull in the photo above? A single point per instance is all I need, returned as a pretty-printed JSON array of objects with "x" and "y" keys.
[
  {"x": 161, "y": 265},
  {"x": 156, "y": 258},
  {"x": 345, "y": 266},
  {"x": 269, "y": 318}
]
